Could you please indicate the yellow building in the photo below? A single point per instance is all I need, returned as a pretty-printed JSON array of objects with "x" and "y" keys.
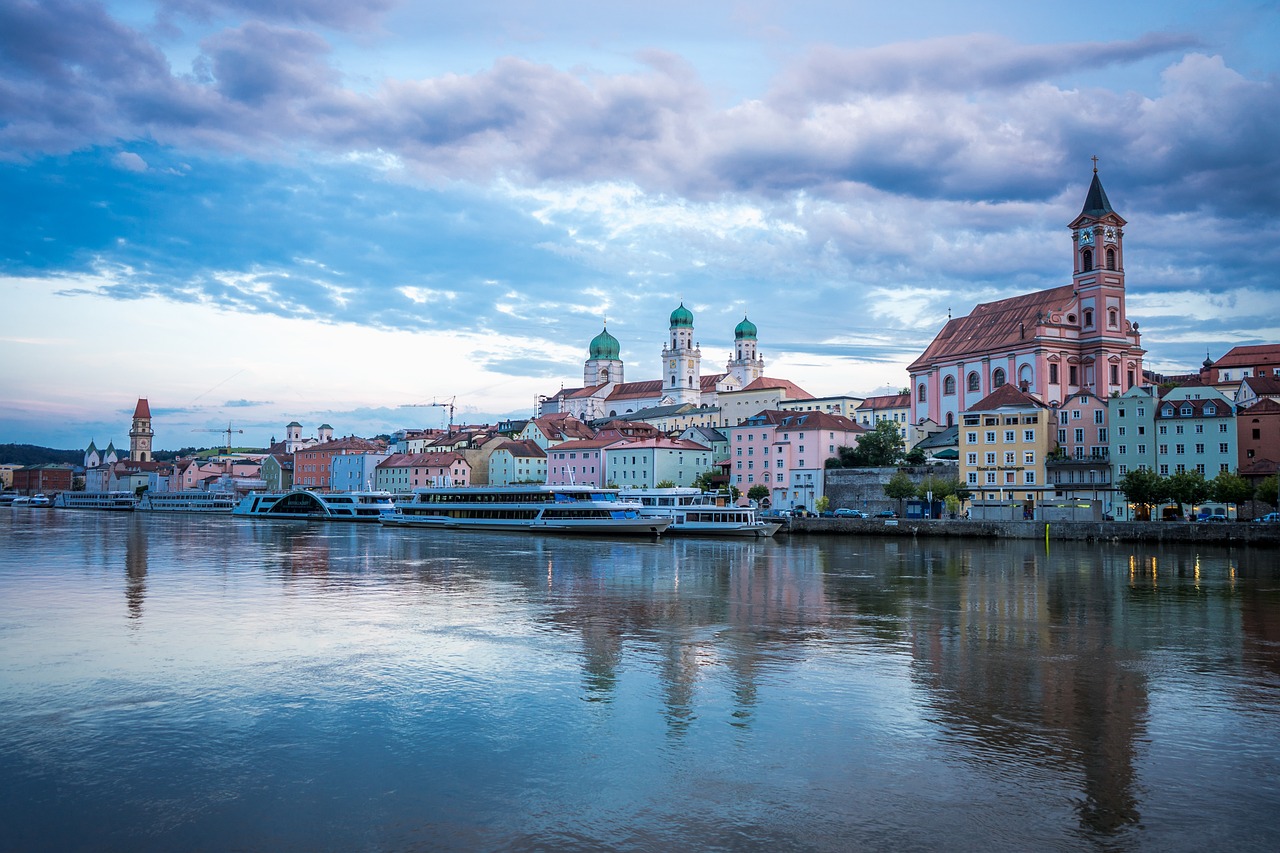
[{"x": 1004, "y": 440}]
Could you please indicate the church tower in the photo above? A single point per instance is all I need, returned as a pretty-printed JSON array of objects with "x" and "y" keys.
[
  {"x": 746, "y": 365},
  {"x": 1098, "y": 277},
  {"x": 140, "y": 433},
  {"x": 603, "y": 364},
  {"x": 682, "y": 360}
]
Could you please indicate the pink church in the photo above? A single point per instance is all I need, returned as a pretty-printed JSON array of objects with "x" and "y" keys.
[{"x": 1054, "y": 343}]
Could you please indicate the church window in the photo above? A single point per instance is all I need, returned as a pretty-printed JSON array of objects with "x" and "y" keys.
[
  {"x": 1073, "y": 375},
  {"x": 974, "y": 382},
  {"x": 1111, "y": 259},
  {"x": 1053, "y": 374},
  {"x": 920, "y": 393},
  {"x": 1115, "y": 374},
  {"x": 1113, "y": 319},
  {"x": 1088, "y": 319},
  {"x": 950, "y": 419},
  {"x": 949, "y": 385},
  {"x": 1086, "y": 260},
  {"x": 997, "y": 377},
  {"x": 1025, "y": 375}
]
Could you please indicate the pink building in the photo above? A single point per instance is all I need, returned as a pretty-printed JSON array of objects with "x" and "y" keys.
[
  {"x": 404, "y": 472},
  {"x": 1054, "y": 343},
  {"x": 787, "y": 453},
  {"x": 578, "y": 462}
]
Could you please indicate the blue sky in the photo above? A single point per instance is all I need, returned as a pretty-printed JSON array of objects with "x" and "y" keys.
[{"x": 327, "y": 211}]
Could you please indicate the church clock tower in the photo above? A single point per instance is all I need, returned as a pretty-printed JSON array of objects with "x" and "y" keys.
[
  {"x": 140, "y": 433},
  {"x": 682, "y": 360}
]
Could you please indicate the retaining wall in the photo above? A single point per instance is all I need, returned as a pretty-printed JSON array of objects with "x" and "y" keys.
[{"x": 1233, "y": 533}]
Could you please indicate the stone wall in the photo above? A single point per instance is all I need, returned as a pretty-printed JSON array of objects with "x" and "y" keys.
[
  {"x": 863, "y": 488},
  {"x": 1233, "y": 533}
]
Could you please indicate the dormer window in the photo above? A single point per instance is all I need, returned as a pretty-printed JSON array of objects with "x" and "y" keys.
[
  {"x": 1185, "y": 412},
  {"x": 1211, "y": 409}
]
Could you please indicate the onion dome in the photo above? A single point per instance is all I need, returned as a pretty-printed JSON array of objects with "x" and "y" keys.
[
  {"x": 744, "y": 331},
  {"x": 604, "y": 346},
  {"x": 682, "y": 318}
]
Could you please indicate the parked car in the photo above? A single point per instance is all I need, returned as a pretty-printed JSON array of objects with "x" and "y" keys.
[
  {"x": 1213, "y": 519},
  {"x": 1269, "y": 518},
  {"x": 886, "y": 513},
  {"x": 845, "y": 512}
]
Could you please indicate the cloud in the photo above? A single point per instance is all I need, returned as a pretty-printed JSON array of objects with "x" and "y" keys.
[
  {"x": 129, "y": 161},
  {"x": 339, "y": 14},
  {"x": 247, "y": 404}
]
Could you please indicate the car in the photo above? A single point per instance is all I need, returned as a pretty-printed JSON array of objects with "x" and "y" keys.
[
  {"x": 1269, "y": 518},
  {"x": 886, "y": 513},
  {"x": 1213, "y": 519},
  {"x": 826, "y": 513},
  {"x": 845, "y": 512}
]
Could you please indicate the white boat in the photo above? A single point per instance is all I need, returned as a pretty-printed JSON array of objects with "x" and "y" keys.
[
  {"x": 695, "y": 513},
  {"x": 21, "y": 502},
  {"x": 189, "y": 501},
  {"x": 107, "y": 501},
  {"x": 535, "y": 509},
  {"x": 316, "y": 506},
  {"x": 39, "y": 502}
]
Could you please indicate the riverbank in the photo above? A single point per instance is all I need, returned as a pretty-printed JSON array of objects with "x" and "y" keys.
[{"x": 1235, "y": 533}]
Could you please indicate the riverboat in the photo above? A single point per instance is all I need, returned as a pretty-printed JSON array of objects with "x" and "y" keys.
[
  {"x": 695, "y": 513},
  {"x": 33, "y": 502},
  {"x": 189, "y": 501},
  {"x": 579, "y": 510},
  {"x": 104, "y": 501},
  {"x": 307, "y": 505}
]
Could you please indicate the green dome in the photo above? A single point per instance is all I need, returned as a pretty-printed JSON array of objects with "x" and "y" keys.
[
  {"x": 746, "y": 330},
  {"x": 604, "y": 345},
  {"x": 682, "y": 318}
]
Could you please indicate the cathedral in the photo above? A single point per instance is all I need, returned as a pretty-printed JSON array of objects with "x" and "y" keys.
[{"x": 606, "y": 393}]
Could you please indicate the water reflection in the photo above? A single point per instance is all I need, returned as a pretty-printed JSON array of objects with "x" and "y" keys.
[{"x": 824, "y": 694}]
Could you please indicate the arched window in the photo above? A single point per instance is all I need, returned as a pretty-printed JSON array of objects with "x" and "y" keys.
[
  {"x": 949, "y": 385},
  {"x": 920, "y": 393},
  {"x": 1111, "y": 259},
  {"x": 1086, "y": 260},
  {"x": 951, "y": 419},
  {"x": 975, "y": 383},
  {"x": 997, "y": 377},
  {"x": 1025, "y": 375},
  {"x": 1088, "y": 318},
  {"x": 1113, "y": 319}
]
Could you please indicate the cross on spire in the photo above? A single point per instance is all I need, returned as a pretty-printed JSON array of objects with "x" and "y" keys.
[{"x": 1094, "y": 158}]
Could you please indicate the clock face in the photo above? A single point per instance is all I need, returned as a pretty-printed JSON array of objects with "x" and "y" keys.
[
  {"x": 1110, "y": 234},
  {"x": 1086, "y": 237},
  {"x": 673, "y": 363}
]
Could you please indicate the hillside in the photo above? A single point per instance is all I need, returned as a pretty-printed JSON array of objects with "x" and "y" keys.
[{"x": 31, "y": 454}]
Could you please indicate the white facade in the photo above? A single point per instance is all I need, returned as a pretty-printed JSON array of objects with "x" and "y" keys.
[{"x": 355, "y": 472}]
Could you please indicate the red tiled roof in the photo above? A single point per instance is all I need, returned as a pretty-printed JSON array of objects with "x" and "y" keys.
[
  {"x": 1263, "y": 385},
  {"x": 818, "y": 420},
  {"x": 660, "y": 442},
  {"x": 1264, "y": 406},
  {"x": 142, "y": 410},
  {"x": 523, "y": 449},
  {"x": 886, "y": 401},
  {"x": 708, "y": 383},
  {"x": 1004, "y": 397},
  {"x": 994, "y": 325},
  {"x": 422, "y": 460},
  {"x": 635, "y": 390},
  {"x": 1250, "y": 356},
  {"x": 791, "y": 391}
]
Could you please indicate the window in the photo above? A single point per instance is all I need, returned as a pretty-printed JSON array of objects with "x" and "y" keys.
[
  {"x": 971, "y": 459},
  {"x": 974, "y": 382},
  {"x": 1178, "y": 429},
  {"x": 1222, "y": 448},
  {"x": 1120, "y": 431},
  {"x": 1009, "y": 436},
  {"x": 1115, "y": 374},
  {"x": 1179, "y": 449},
  {"x": 1086, "y": 260},
  {"x": 1142, "y": 448},
  {"x": 973, "y": 478},
  {"x": 1098, "y": 416},
  {"x": 1029, "y": 458},
  {"x": 1200, "y": 449},
  {"x": 1113, "y": 319},
  {"x": 1102, "y": 433},
  {"x": 1064, "y": 416},
  {"x": 1164, "y": 470},
  {"x": 971, "y": 437},
  {"x": 920, "y": 393},
  {"x": 990, "y": 436},
  {"x": 949, "y": 385},
  {"x": 991, "y": 478},
  {"x": 1029, "y": 478},
  {"x": 1122, "y": 449},
  {"x": 991, "y": 459},
  {"x": 1010, "y": 457},
  {"x": 1079, "y": 433},
  {"x": 1062, "y": 436},
  {"x": 1111, "y": 265},
  {"x": 1088, "y": 318},
  {"x": 1073, "y": 375},
  {"x": 1053, "y": 374},
  {"x": 1222, "y": 427},
  {"x": 1124, "y": 469},
  {"x": 1199, "y": 428},
  {"x": 1028, "y": 435},
  {"x": 1164, "y": 430},
  {"x": 997, "y": 377},
  {"x": 1164, "y": 449}
]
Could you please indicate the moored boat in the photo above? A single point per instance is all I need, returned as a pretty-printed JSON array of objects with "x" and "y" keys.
[
  {"x": 40, "y": 502},
  {"x": 581, "y": 510},
  {"x": 105, "y": 501},
  {"x": 189, "y": 501},
  {"x": 694, "y": 513},
  {"x": 305, "y": 504}
]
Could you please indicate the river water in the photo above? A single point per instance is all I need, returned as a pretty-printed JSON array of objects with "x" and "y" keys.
[{"x": 183, "y": 683}]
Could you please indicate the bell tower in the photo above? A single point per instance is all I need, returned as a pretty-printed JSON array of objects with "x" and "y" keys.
[
  {"x": 682, "y": 360},
  {"x": 140, "y": 434},
  {"x": 746, "y": 364}
]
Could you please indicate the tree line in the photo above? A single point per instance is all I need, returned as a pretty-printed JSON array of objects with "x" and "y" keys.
[{"x": 1148, "y": 489}]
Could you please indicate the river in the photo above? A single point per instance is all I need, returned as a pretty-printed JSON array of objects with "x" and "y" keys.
[{"x": 186, "y": 683}]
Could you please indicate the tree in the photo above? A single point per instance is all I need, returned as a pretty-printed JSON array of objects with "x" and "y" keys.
[
  {"x": 1266, "y": 491},
  {"x": 953, "y": 505},
  {"x": 1144, "y": 488},
  {"x": 666, "y": 484},
  {"x": 822, "y": 504},
  {"x": 880, "y": 447},
  {"x": 1229, "y": 488},
  {"x": 900, "y": 487},
  {"x": 758, "y": 493},
  {"x": 915, "y": 456},
  {"x": 705, "y": 481},
  {"x": 1188, "y": 487}
]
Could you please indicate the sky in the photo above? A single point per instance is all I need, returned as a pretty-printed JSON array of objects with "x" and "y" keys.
[{"x": 341, "y": 211}]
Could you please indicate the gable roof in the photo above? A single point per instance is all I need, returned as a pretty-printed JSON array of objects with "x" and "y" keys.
[
  {"x": 524, "y": 449},
  {"x": 995, "y": 325},
  {"x": 885, "y": 401},
  {"x": 1250, "y": 356},
  {"x": 1006, "y": 397},
  {"x": 791, "y": 391}
]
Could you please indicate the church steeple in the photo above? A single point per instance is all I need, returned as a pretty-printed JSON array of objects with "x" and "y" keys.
[
  {"x": 682, "y": 361},
  {"x": 140, "y": 434}
]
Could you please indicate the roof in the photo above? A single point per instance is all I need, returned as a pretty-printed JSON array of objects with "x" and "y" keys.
[
  {"x": 949, "y": 437},
  {"x": 1221, "y": 409},
  {"x": 708, "y": 434},
  {"x": 885, "y": 401},
  {"x": 341, "y": 444},
  {"x": 1250, "y": 356},
  {"x": 142, "y": 410},
  {"x": 785, "y": 421},
  {"x": 658, "y": 443},
  {"x": 629, "y": 390},
  {"x": 1006, "y": 397},
  {"x": 523, "y": 449},
  {"x": 1263, "y": 385},
  {"x": 422, "y": 460},
  {"x": 995, "y": 325},
  {"x": 1096, "y": 203},
  {"x": 585, "y": 444},
  {"x": 791, "y": 389},
  {"x": 561, "y": 426},
  {"x": 1264, "y": 406}
]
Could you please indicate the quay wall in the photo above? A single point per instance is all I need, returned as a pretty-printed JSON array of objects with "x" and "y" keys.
[{"x": 1236, "y": 533}]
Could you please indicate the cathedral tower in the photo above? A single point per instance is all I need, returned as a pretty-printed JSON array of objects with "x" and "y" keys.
[
  {"x": 603, "y": 364},
  {"x": 746, "y": 365},
  {"x": 682, "y": 360},
  {"x": 140, "y": 433}
]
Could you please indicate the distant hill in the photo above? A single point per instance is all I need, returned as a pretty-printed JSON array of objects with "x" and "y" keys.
[{"x": 31, "y": 454}]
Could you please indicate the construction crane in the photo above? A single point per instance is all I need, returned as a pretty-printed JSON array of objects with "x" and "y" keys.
[
  {"x": 440, "y": 403},
  {"x": 227, "y": 432}
]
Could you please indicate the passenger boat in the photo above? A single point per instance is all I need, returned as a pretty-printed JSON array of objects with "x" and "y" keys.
[
  {"x": 695, "y": 513},
  {"x": 316, "y": 506},
  {"x": 107, "y": 501},
  {"x": 535, "y": 509},
  {"x": 189, "y": 501},
  {"x": 39, "y": 502}
]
